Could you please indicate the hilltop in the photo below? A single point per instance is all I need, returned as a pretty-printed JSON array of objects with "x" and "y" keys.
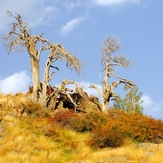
[{"x": 32, "y": 133}]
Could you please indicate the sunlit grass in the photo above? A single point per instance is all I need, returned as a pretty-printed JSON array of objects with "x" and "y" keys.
[
  {"x": 128, "y": 154},
  {"x": 35, "y": 139},
  {"x": 25, "y": 141},
  {"x": 20, "y": 144}
]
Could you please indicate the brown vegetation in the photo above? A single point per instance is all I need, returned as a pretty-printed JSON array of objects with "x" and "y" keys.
[
  {"x": 65, "y": 136},
  {"x": 76, "y": 128}
]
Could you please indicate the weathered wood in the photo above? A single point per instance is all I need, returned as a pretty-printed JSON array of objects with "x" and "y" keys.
[
  {"x": 20, "y": 39},
  {"x": 108, "y": 61}
]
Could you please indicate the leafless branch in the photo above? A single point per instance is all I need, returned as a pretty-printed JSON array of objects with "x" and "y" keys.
[
  {"x": 50, "y": 76},
  {"x": 19, "y": 38},
  {"x": 122, "y": 61},
  {"x": 54, "y": 67},
  {"x": 95, "y": 87}
]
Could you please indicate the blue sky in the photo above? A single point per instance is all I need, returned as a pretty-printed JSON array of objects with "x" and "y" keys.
[{"x": 81, "y": 26}]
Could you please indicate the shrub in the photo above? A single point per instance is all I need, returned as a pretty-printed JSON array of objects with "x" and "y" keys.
[
  {"x": 141, "y": 128},
  {"x": 71, "y": 120},
  {"x": 64, "y": 117},
  {"x": 82, "y": 124},
  {"x": 138, "y": 127},
  {"x": 110, "y": 135},
  {"x": 98, "y": 118},
  {"x": 110, "y": 129},
  {"x": 35, "y": 109}
]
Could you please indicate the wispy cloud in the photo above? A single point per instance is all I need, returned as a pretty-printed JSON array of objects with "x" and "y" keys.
[
  {"x": 114, "y": 2},
  {"x": 71, "y": 5},
  {"x": 71, "y": 25},
  {"x": 18, "y": 82},
  {"x": 35, "y": 12},
  {"x": 152, "y": 108},
  {"x": 91, "y": 91}
]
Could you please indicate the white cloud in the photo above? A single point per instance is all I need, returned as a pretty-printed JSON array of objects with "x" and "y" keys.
[
  {"x": 91, "y": 91},
  {"x": 114, "y": 2},
  {"x": 71, "y": 5},
  {"x": 71, "y": 25},
  {"x": 34, "y": 12},
  {"x": 89, "y": 3},
  {"x": 152, "y": 108},
  {"x": 18, "y": 82}
]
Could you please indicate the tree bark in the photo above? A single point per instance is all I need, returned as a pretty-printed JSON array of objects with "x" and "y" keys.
[
  {"x": 20, "y": 38},
  {"x": 34, "y": 61},
  {"x": 105, "y": 105},
  {"x": 109, "y": 62}
]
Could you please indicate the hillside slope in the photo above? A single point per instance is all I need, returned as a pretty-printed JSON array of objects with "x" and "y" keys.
[{"x": 28, "y": 136}]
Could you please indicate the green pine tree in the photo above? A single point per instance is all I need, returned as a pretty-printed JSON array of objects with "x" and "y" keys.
[{"x": 131, "y": 102}]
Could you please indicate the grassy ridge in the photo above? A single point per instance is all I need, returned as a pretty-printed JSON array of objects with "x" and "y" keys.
[{"x": 34, "y": 137}]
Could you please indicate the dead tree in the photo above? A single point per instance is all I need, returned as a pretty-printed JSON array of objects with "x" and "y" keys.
[
  {"x": 62, "y": 90},
  {"x": 109, "y": 62},
  {"x": 20, "y": 38}
]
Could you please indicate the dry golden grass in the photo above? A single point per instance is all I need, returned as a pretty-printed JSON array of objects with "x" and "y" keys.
[
  {"x": 21, "y": 145},
  {"x": 10, "y": 100},
  {"x": 129, "y": 153},
  {"x": 22, "y": 141},
  {"x": 25, "y": 141}
]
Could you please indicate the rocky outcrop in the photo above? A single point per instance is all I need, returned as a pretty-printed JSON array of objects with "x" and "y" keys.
[{"x": 84, "y": 103}]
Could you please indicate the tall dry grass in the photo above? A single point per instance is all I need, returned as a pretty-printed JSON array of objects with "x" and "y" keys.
[{"x": 34, "y": 140}]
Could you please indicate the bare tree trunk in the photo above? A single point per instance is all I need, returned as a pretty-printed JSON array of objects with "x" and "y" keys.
[
  {"x": 105, "y": 94},
  {"x": 109, "y": 62},
  {"x": 31, "y": 47},
  {"x": 44, "y": 100},
  {"x": 105, "y": 105},
  {"x": 19, "y": 39},
  {"x": 35, "y": 79}
]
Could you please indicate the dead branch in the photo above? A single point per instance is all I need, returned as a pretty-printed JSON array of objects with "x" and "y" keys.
[
  {"x": 19, "y": 38},
  {"x": 108, "y": 61},
  {"x": 95, "y": 87}
]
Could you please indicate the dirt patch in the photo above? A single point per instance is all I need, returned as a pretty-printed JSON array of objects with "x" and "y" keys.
[{"x": 151, "y": 147}]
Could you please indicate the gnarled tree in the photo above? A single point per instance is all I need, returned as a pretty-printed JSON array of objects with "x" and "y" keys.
[
  {"x": 20, "y": 38},
  {"x": 109, "y": 62}
]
